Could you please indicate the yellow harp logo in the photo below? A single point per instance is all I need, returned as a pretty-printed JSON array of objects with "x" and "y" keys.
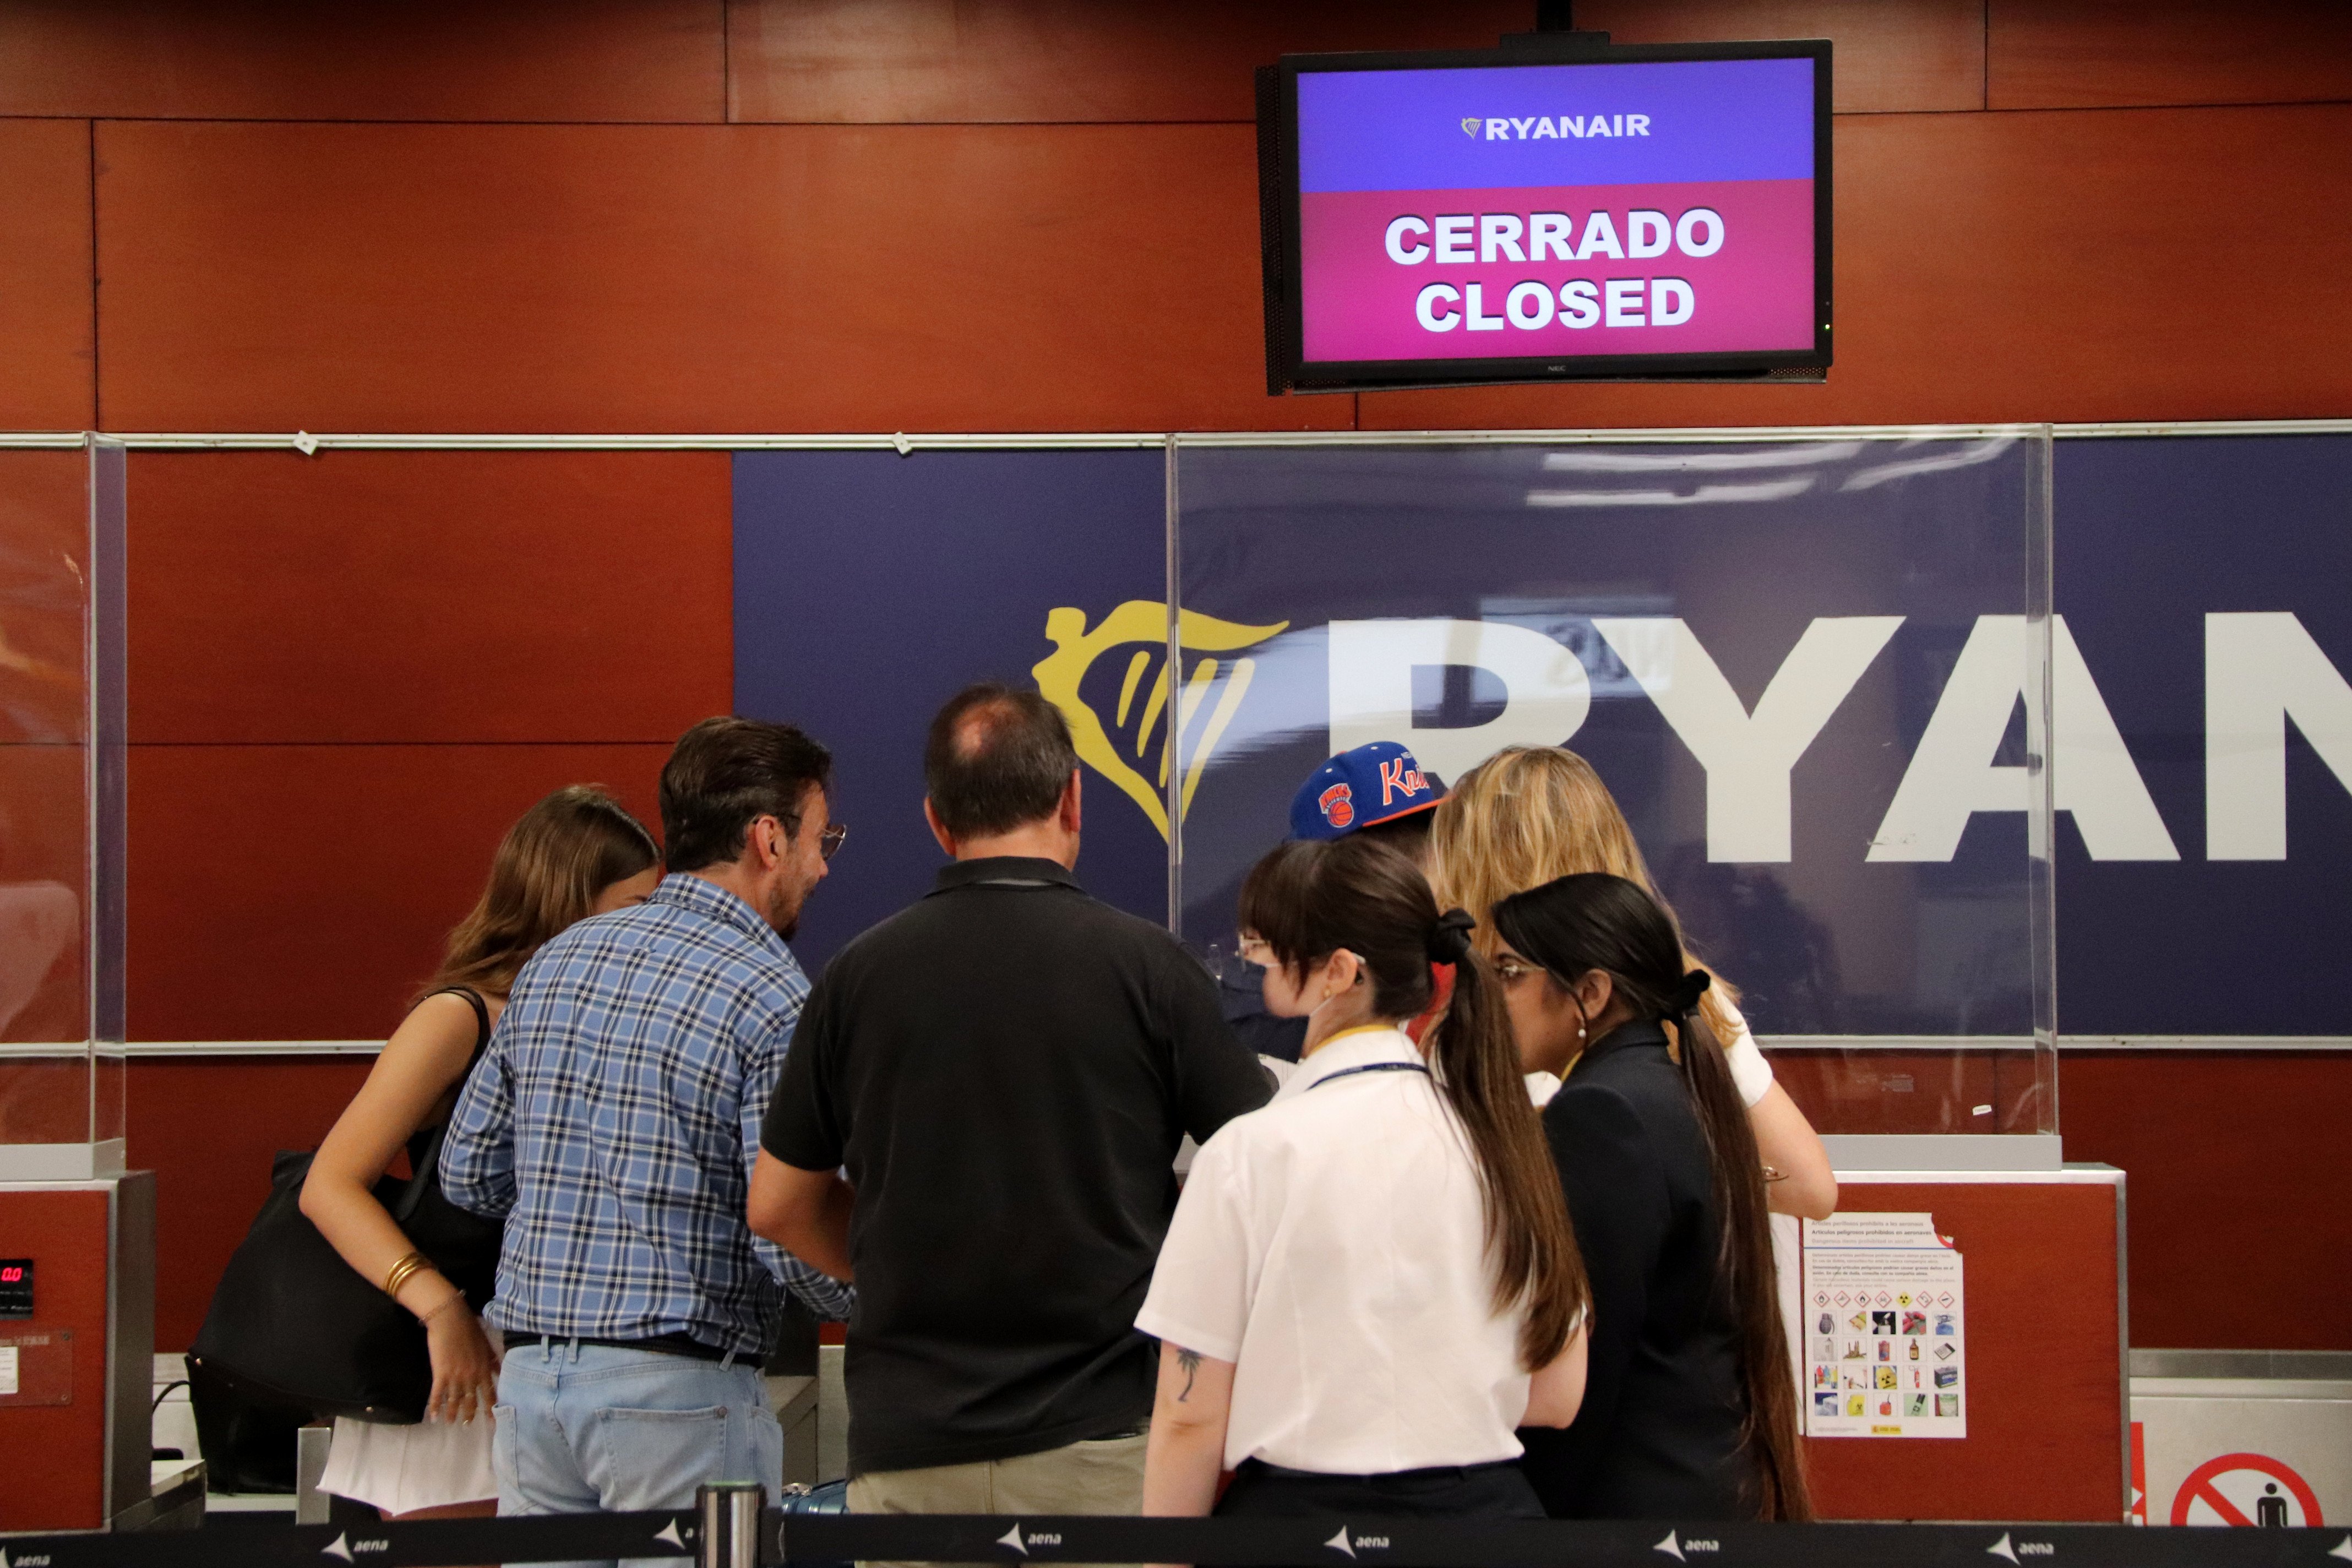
[{"x": 1140, "y": 626}]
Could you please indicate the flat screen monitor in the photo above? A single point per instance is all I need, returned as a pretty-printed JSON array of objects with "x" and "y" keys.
[{"x": 1642, "y": 211}]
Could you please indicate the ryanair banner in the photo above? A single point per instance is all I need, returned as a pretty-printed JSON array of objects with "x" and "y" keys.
[
  {"x": 1811, "y": 671},
  {"x": 1747, "y": 639}
]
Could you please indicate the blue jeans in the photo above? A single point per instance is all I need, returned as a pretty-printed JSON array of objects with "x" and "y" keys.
[{"x": 584, "y": 1428}]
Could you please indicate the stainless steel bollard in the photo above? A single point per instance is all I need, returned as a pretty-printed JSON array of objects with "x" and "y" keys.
[{"x": 730, "y": 1514}]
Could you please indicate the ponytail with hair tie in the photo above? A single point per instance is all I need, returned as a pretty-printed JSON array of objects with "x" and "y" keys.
[
  {"x": 1687, "y": 993},
  {"x": 1449, "y": 939}
]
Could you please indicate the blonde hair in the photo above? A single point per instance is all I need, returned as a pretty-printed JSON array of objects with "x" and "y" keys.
[
  {"x": 547, "y": 874},
  {"x": 1525, "y": 816}
]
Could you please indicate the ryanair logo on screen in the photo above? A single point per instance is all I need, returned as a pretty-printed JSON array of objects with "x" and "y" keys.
[
  {"x": 1544, "y": 127},
  {"x": 1120, "y": 668}
]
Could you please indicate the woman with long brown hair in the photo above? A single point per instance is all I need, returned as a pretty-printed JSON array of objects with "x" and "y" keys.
[
  {"x": 575, "y": 854},
  {"x": 1690, "y": 1409},
  {"x": 1370, "y": 1283},
  {"x": 1530, "y": 813}
]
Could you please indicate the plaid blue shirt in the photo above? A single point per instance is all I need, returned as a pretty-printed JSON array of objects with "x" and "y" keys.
[{"x": 615, "y": 1119}]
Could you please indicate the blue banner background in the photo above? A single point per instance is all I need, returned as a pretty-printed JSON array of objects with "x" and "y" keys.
[{"x": 869, "y": 588}]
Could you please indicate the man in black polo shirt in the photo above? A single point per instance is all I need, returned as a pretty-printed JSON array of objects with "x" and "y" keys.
[{"x": 1003, "y": 1072}]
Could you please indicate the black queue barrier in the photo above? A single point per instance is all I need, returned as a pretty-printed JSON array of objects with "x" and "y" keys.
[{"x": 732, "y": 1528}]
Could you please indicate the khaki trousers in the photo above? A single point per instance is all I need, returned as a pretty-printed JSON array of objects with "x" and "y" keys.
[{"x": 1101, "y": 1476}]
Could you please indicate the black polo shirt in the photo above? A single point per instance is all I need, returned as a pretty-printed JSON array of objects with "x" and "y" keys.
[{"x": 1004, "y": 1070}]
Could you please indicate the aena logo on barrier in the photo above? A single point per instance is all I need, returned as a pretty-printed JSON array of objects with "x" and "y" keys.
[{"x": 2262, "y": 670}]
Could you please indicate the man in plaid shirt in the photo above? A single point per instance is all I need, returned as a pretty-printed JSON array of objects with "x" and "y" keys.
[{"x": 613, "y": 1121}]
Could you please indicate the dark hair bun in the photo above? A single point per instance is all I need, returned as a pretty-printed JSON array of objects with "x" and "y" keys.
[{"x": 1449, "y": 939}]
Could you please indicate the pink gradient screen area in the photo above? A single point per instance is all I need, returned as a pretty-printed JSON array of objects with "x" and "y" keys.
[{"x": 1556, "y": 271}]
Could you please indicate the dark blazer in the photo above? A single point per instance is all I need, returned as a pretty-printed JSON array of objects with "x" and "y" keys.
[{"x": 1658, "y": 1434}]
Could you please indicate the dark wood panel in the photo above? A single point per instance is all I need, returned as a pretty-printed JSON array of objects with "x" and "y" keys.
[
  {"x": 1891, "y": 55},
  {"x": 56, "y": 1453},
  {"x": 744, "y": 277},
  {"x": 429, "y": 596},
  {"x": 304, "y": 893},
  {"x": 44, "y": 872},
  {"x": 44, "y": 554},
  {"x": 2104, "y": 54},
  {"x": 858, "y": 61},
  {"x": 209, "y": 1129},
  {"x": 2240, "y": 1239},
  {"x": 2045, "y": 1366},
  {"x": 424, "y": 59},
  {"x": 2046, "y": 265},
  {"x": 47, "y": 373}
]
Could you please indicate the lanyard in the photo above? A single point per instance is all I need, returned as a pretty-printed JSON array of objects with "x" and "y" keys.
[{"x": 1370, "y": 1066}]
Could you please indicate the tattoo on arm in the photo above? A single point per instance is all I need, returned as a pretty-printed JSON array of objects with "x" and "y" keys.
[{"x": 1190, "y": 1362}]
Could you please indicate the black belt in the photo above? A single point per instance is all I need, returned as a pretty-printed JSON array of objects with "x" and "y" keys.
[{"x": 663, "y": 1344}]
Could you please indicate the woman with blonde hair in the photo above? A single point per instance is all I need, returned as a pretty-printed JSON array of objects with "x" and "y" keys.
[
  {"x": 1528, "y": 814},
  {"x": 575, "y": 854}
]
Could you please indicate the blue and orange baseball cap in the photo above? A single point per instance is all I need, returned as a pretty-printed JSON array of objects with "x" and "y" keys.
[{"x": 1362, "y": 788}]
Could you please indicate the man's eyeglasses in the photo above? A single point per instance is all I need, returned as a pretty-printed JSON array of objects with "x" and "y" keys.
[{"x": 828, "y": 842}]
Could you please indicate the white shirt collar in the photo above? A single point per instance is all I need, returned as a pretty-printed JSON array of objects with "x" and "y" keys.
[{"x": 1348, "y": 1049}]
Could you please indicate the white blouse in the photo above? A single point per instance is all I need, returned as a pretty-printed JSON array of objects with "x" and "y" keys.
[{"x": 1332, "y": 1246}]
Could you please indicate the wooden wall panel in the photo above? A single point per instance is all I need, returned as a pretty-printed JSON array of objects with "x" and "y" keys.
[
  {"x": 772, "y": 278},
  {"x": 48, "y": 371},
  {"x": 423, "y": 59},
  {"x": 1891, "y": 55},
  {"x": 304, "y": 893},
  {"x": 44, "y": 550},
  {"x": 56, "y": 1453},
  {"x": 538, "y": 596},
  {"x": 2032, "y": 266},
  {"x": 2240, "y": 1239},
  {"x": 209, "y": 1129},
  {"x": 2105, "y": 54},
  {"x": 860, "y": 61},
  {"x": 2044, "y": 1371}
]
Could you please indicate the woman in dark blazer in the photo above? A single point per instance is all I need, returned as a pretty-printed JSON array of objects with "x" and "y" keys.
[{"x": 1690, "y": 1407}]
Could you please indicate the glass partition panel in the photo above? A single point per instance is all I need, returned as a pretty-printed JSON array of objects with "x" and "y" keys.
[
  {"x": 1811, "y": 670},
  {"x": 62, "y": 794}
]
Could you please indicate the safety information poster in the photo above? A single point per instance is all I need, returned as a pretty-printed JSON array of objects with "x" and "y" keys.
[{"x": 1886, "y": 1329}]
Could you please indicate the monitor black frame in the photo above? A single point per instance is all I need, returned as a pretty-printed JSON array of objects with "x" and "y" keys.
[{"x": 1279, "y": 225}]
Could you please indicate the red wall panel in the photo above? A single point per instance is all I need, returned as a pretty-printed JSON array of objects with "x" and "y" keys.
[
  {"x": 769, "y": 277},
  {"x": 2239, "y": 1236},
  {"x": 477, "y": 596},
  {"x": 2104, "y": 54},
  {"x": 2033, "y": 266},
  {"x": 1055, "y": 60},
  {"x": 44, "y": 550},
  {"x": 1890, "y": 55},
  {"x": 47, "y": 373},
  {"x": 304, "y": 893},
  {"x": 209, "y": 1129},
  {"x": 422, "y": 59},
  {"x": 56, "y": 1453},
  {"x": 2044, "y": 1384}
]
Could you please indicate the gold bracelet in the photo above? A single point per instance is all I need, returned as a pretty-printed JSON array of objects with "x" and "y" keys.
[{"x": 403, "y": 1270}]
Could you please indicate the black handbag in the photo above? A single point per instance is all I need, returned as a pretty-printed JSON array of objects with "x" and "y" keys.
[{"x": 291, "y": 1324}]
